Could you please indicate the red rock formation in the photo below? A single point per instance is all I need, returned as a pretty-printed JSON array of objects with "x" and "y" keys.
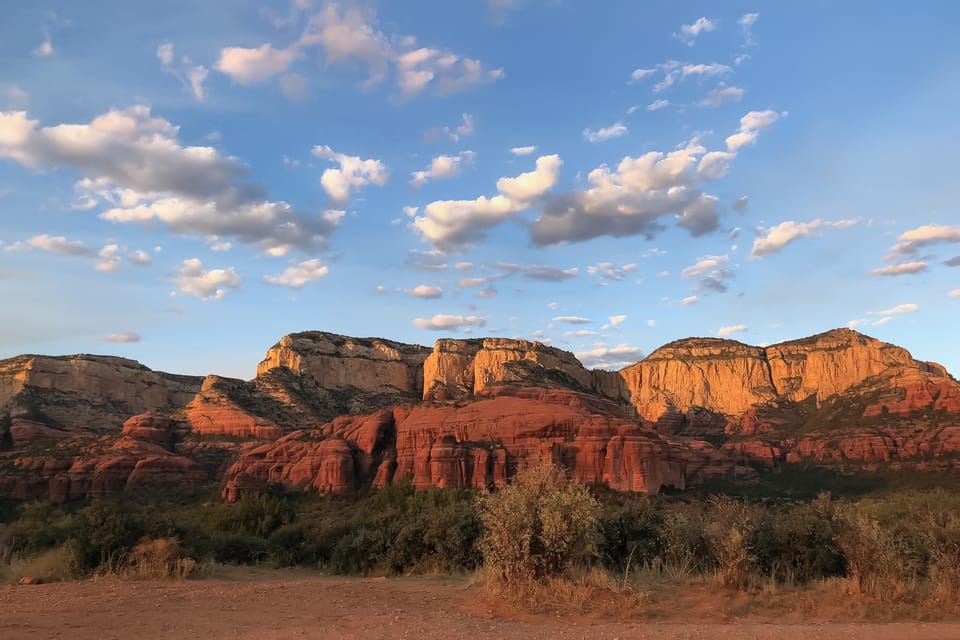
[
  {"x": 152, "y": 427},
  {"x": 215, "y": 411},
  {"x": 102, "y": 469}
]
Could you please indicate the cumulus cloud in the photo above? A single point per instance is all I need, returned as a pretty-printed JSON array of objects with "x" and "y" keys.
[
  {"x": 353, "y": 173},
  {"x": 248, "y": 66},
  {"x": 954, "y": 293},
  {"x": 722, "y": 95},
  {"x": 523, "y": 151},
  {"x": 425, "y": 291},
  {"x": 108, "y": 258},
  {"x": 572, "y": 320},
  {"x": 465, "y": 128},
  {"x": 347, "y": 37},
  {"x": 450, "y": 225},
  {"x": 776, "y": 238},
  {"x": 710, "y": 272},
  {"x": 615, "y": 130},
  {"x": 444, "y": 322},
  {"x": 58, "y": 245},
  {"x": 545, "y": 273},
  {"x": 133, "y": 162},
  {"x": 441, "y": 167},
  {"x": 926, "y": 235},
  {"x": 656, "y": 105},
  {"x": 723, "y": 332},
  {"x": 298, "y": 275},
  {"x": 140, "y": 258},
  {"x": 126, "y": 337},
  {"x": 44, "y": 49},
  {"x": 426, "y": 260},
  {"x": 193, "y": 280},
  {"x": 690, "y": 32},
  {"x": 903, "y": 268},
  {"x": 617, "y": 320},
  {"x": 750, "y": 127},
  {"x": 604, "y": 357},
  {"x": 689, "y": 300},
  {"x": 630, "y": 199},
  {"x": 190, "y": 76}
]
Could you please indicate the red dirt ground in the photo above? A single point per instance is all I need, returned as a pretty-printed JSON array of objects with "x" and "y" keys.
[{"x": 260, "y": 604}]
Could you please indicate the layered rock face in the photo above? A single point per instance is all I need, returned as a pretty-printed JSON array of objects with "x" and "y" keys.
[
  {"x": 730, "y": 378},
  {"x": 465, "y": 368},
  {"x": 481, "y": 444},
  {"x": 87, "y": 393}
]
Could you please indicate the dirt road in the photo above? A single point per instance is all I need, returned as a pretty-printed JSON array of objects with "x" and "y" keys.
[{"x": 275, "y": 605}]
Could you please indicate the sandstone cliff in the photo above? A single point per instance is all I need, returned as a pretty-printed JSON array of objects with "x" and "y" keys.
[{"x": 85, "y": 393}]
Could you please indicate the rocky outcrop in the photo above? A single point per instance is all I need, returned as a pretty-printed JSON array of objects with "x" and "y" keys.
[
  {"x": 233, "y": 408},
  {"x": 480, "y": 444},
  {"x": 358, "y": 364},
  {"x": 465, "y": 368},
  {"x": 87, "y": 393},
  {"x": 100, "y": 469}
]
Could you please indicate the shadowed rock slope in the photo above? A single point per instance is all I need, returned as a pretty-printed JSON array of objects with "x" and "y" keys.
[{"x": 334, "y": 414}]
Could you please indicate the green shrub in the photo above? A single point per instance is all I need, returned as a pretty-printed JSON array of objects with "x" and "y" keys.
[{"x": 538, "y": 526}]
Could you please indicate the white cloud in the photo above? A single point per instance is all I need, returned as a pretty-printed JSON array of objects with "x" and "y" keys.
[
  {"x": 703, "y": 265},
  {"x": 690, "y": 32},
  {"x": 900, "y": 269},
  {"x": 523, "y": 151},
  {"x": 615, "y": 130},
  {"x": 108, "y": 258},
  {"x": 610, "y": 271},
  {"x": 955, "y": 293},
  {"x": 134, "y": 162},
  {"x": 140, "y": 259},
  {"x": 441, "y": 167},
  {"x": 656, "y": 105},
  {"x": 900, "y": 308},
  {"x": 298, "y": 275},
  {"x": 450, "y": 225},
  {"x": 689, "y": 300},
  {"x": 354, "y": 173},
  {"x": 712, "y": 273},
  {"x": 781, "y": 235},
  {"x": 249, "y": 66},
  {"x": 572, "y": 320},
  {"x": 750, "y": 127},
  {"x": 58, "y": 245},
  {"x": 425, "y": 291},
  {"x": 617, "y": 320},
  {"x": 722, "y": 95},
  {"x": 723, "y": 332},
  {"x": 193, "y": 280},
  {"x": 126, "y": 337},
  {"x": 923, "y": 236},
  {"x": 603, "y": 357},
  {"x": 443, "y": 322},
  {"x": 44, "y": 49},
  {"x": 640, "y": 74},
  {"x": 465, "y": 128},
  {"x": 347, "y": 37},
  {"x": 191, "y": 77},
  {"x": 747, "y": 20}
]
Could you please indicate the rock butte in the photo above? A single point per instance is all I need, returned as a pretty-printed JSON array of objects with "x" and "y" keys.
[{"x": 331, "y": 414}]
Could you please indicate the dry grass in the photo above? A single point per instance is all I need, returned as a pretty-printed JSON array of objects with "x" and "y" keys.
[
  {"x": 160, "y": 558},
  {"x": 54, "y": 565}
]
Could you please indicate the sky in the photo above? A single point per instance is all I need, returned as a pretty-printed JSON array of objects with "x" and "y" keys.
[{"x": 184, "y": 183}]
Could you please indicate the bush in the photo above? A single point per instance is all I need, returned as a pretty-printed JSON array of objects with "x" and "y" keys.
[
  {"x": 728, "y": 532},
  {"x": 539, "y": 526},
  {"x": 54, "y": 565},
  {"x": 159, "y": 558}
]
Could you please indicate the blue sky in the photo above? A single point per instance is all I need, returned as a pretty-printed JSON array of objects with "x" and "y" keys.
[{"x": 183, "y": 184}]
